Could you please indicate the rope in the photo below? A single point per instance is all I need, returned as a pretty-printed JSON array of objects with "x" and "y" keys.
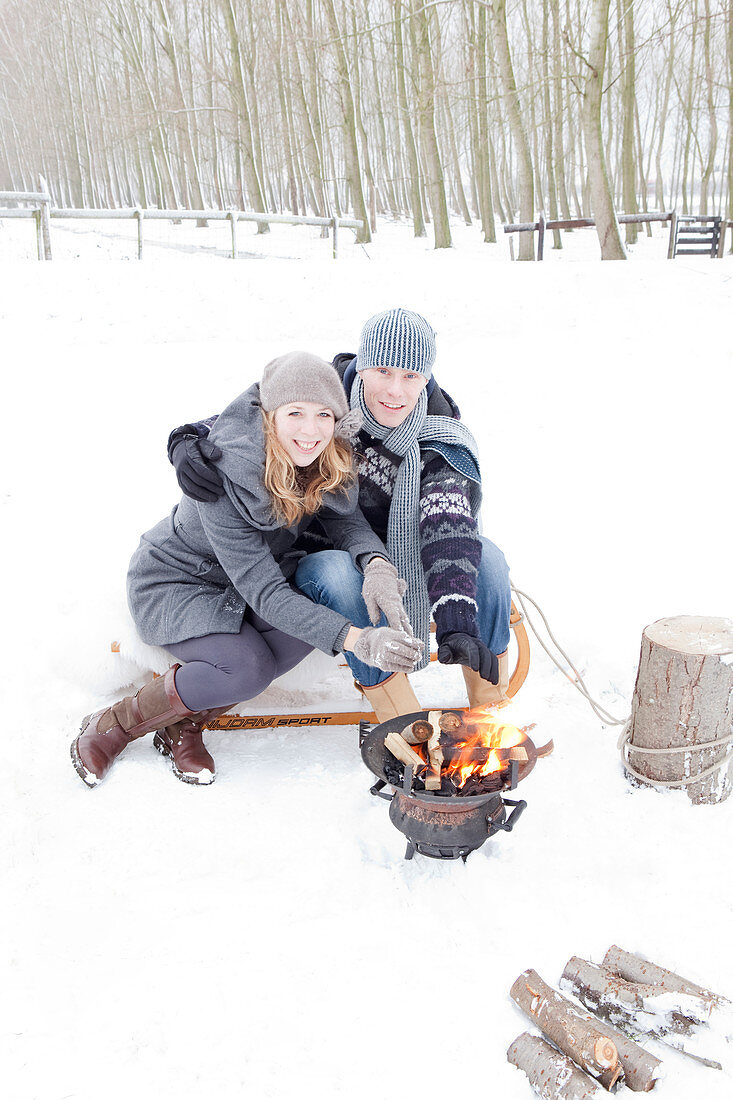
[{"x": 609, "y": 720}]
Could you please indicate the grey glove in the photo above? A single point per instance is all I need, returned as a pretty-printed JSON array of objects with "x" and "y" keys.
[
  {"x": 383, "y": 590},
  {"x": 387, "y": 649}
]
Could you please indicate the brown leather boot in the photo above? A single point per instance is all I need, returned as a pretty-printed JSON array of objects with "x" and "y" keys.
[
  {"x": 184, "y": 746},
  {"x": 482, "y": 693},
  {"x": 392, "y": 697},
  {"x": 106, "y": 733}
]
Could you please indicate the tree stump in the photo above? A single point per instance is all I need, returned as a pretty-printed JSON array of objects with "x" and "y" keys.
[{"x": 683, "y": 699}]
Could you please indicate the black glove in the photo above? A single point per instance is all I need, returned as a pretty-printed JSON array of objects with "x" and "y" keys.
[
  {"x": 193, "y": 459},
  {"x": 462, "y": 649}
]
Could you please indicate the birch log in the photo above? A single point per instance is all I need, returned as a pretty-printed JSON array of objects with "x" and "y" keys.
[
  {"x": 683, "y": 699},
  {"x": 551, "y": 1074},
  {"x": 586, "y": 1043},
  {"x": 641, "y": 1008},
  {"x": 635, "y": 969}
]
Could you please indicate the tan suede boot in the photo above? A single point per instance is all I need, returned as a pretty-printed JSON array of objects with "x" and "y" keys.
[
  {"x": 106, "y": 733},
  {"x": 482, "y": 693},
  {"x": 184, "y": 746},
  {"x": 392, "y": 697}
]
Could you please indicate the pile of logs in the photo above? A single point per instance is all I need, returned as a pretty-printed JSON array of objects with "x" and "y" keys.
[
  {"x": 592, "y": 1048},
  {"x": 436, "y": 749}
]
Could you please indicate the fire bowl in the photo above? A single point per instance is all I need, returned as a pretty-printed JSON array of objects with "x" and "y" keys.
[{"x": 441, "y": 826}]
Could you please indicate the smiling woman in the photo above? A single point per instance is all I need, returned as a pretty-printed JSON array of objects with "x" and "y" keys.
[{"x": 211, "y": 582}]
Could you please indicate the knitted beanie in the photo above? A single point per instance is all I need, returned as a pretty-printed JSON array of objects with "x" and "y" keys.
[
  {"x": 300, "y": 376},
  {"x": 398, "y": 339}
]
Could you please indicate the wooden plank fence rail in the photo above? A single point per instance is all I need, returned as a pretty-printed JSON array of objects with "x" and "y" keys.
[{"x": 43, "y": 211}]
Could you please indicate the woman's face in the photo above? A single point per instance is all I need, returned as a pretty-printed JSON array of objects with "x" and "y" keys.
[
  {"x": 391, "y": 395},
  {"x": 304, "y": 429}
]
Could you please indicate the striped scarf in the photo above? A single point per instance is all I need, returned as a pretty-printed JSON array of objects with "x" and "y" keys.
[{"x": 403, "y": 529}]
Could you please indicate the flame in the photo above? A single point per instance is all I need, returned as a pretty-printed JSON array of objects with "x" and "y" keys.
[{"x": 479, "y": 748}]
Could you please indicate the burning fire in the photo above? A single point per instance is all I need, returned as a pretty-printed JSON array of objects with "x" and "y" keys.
[{"x": 477, "y": 744}]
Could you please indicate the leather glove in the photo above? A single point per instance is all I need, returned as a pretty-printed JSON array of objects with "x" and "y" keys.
[
  {"x": 462, "y": 649},
  {"x": 383, "y": 590},
  {"x": 193, "y": 460},
  {"x": 387, "y": 649}
]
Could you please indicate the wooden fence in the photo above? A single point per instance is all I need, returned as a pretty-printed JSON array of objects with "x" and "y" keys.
[
  {"x": 41, "y": 211},
  {"x": 541, "y": 226}
]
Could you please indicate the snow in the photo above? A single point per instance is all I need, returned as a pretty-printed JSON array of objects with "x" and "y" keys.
[{"x": 264, "y": 934}]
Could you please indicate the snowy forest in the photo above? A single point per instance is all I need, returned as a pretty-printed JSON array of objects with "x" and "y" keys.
[{"x": 478, "y": 109}]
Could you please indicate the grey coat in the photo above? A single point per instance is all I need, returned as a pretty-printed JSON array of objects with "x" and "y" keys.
[{"x": 196, "y": 571}]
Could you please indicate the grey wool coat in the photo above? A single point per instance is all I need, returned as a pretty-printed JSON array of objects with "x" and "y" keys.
[{"x": 196, "y": 571}]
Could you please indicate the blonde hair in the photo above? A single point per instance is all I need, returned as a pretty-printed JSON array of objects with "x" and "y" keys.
[{"x": 299, "y": 491}]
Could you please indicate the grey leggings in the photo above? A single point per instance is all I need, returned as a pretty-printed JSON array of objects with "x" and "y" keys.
[{"x": 223, "y": 669}]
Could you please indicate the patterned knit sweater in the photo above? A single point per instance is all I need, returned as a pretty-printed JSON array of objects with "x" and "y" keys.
[{"x": 450, "y": 548}]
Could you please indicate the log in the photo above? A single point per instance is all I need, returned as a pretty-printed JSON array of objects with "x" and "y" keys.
[
  {"x": 402, "y": 751},
  {"x": 641, "y": 1069},
  {"x": 448, "y": 722},
  {"x": 636, "y": 969},
  {"x": 641, "y": 1008},
  {"x": 551, "y": 1074},
  {"x": 586, "y": 1043},
  {"x": 435, "y": 753},
  {"x": 417, "y": 733},
  {"x": 683, "y": 699}
]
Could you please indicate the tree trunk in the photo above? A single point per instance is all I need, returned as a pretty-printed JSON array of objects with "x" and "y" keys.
[
  {"x": 684, "y": 698},
  {"x": 418, "y": 217},
  {"x": 428, "y": 133},
  {"x": 627, "y": 60},
  {"x": 514, "y": 112},
  {"x": 351, "y": 140},
  {"x": 601, "y": 199},
  {"x": 551, "y": 1074}
]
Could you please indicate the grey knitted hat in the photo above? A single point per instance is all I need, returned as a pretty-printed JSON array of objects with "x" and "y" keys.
[
  {"x": 300, "y": 376},
  {"x": 398, "y": 339}
]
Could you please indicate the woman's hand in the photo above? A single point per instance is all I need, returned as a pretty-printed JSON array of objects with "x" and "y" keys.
[
  {"x": 384, "y": 648},
  {"x": 382, "y": 591}
]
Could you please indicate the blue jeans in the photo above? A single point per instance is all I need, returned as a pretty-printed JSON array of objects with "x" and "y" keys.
[{"x": 331, "y": 578}]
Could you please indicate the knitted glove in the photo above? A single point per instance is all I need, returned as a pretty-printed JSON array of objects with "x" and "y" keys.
[
  {"x": 462, "y": 649},
  {"x": 193, "y": 459},
  {"x": 387, "y": 649},
  {"x": 383, "y": 590}
]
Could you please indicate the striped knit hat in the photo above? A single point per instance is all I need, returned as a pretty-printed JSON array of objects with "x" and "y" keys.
[{"x": 398, "y": 339}]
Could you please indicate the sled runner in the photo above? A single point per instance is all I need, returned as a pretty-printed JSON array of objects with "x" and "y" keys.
[{"x": 238, "y": 717}]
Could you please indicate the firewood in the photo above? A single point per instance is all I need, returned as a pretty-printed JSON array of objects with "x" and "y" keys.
[
  {"x": 632, "y": 1006},
  {"x": 641, "y": 1069},
  {"x": 586, "y": 1043},
  {"x": 417, "y": 733},
  {"x": 402, "y": 751},
  {"x": 448, "y": 722},
  {"x": 551, "y": 1074},
  {"x": 683, "y": 702},
  {"x": 635, "y": 969},
  {"x": 435, "y": 753}
]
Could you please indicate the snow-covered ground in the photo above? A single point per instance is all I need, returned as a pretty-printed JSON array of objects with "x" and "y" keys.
[{"x": 264, "y": 936}]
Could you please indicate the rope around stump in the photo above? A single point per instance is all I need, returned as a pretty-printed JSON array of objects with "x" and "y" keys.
[{"x": 623, "y": 742}]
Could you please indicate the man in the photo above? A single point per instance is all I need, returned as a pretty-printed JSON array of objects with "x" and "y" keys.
[{"x": 420, "y": 489}]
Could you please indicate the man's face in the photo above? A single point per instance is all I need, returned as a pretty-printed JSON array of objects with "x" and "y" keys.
[{"x": 391, "y": 395}]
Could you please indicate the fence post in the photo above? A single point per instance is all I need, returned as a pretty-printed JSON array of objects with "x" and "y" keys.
[
  {"x": 138, "y": 216},
  {"x": 233, "y": 219},
  {"x": 335, "y": 224},
  {"x": 511, "y": 247},
  {"x": 672, "y": 235},
  {"x": 45, "y": 220},
  {"x": 541, "y": 236}
]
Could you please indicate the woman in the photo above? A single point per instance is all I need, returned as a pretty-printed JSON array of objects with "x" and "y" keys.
[{"x": 210, "y": 582}]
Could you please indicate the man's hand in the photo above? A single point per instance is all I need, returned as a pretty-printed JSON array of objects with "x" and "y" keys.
[
  {"x": 462, "y": 649},
  {"x": 387, "y": 649},
  {"x": 383, "y": 590},
  {"x": 197, "y": 475}
]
